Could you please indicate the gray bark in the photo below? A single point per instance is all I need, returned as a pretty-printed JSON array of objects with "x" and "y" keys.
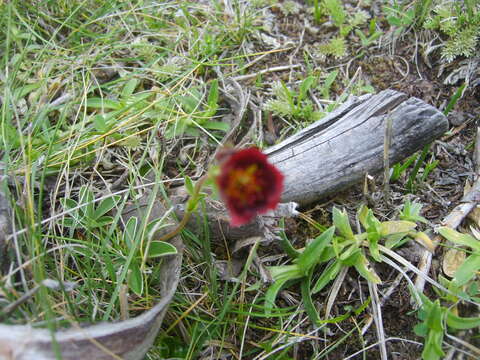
[{"x": 337, "y": 151}]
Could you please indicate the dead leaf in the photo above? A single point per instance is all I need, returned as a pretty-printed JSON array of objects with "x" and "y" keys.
[
  {"x": 474, "y": 215},
  {"x": 425, "y": 240},
  {"x": 452, "y": 260}
]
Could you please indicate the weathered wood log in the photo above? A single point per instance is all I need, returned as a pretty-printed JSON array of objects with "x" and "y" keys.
[{"x": 337, "y": 151}]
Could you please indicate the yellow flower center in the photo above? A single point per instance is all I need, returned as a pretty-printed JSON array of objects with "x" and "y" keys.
[{"x": 243, "y": 184}]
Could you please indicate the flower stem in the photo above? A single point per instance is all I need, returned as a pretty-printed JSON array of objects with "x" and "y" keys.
[{"x": 188, "y": 211}]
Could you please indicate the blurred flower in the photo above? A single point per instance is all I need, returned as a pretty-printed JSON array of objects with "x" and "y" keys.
[{"x": 248, "y": 184}]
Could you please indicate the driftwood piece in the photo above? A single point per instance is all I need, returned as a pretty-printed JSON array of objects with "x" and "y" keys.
[
  {"x": 127, "y": 340},
  {"x": 337, "y": 151}
]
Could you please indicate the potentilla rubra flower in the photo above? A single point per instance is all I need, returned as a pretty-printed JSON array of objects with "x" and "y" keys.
[{"x": 248, "y": 184}]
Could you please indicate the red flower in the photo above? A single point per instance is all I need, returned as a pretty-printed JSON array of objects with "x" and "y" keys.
[{"x": 248, "y": 184}]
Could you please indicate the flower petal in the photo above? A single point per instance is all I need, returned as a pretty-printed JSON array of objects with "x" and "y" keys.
[{"x": 248, "y": 184}]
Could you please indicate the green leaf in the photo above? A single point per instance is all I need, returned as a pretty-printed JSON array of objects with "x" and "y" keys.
[
  {"x": 421, "y": 329},
  {"x": 342, "y": 224},
  {"x": 193, "y": 202},
  {"x": 86, "y": 198},
  {"x": 363, "y": 306},
  {"x": 285, "y": 243},
  {"x": 287, "y": 94},
  {"x": 394, "y": 21},
  {"x": 135, "y": 279},
  {"x": 100, "y": 123},
  {"x": 399, "y": 168},
  {"x": 106, "y": 205},
  {"x": 216, "y": 125},
  {"x": 435, "y": 313},
  {"x": 288, "y": 272},
  {"x": 70, "y": 222},
  {"x": 69, "y": 204},
  {"x": 327, "y": 83},
  {"x": 305, "y": 85},
  {"x": 308, "y": 303},
  {"x": 362, "y": 215},
  {"x": 25, "y": 90},
  {"x": 177, "y": 128},
  {"x": 337, "y": 319},
  {"x": 468, "y": 270},
  {"x": 310, "y": 256},
  {"x": 100, "y": 103},
  {"x": 130, "y": 231},
  {"x": 328, "y": 275},
  {"x": 212, "y": 99},
  {"x": 363, "y": 267},
  {"x": 373, "y": 224},
  {"x": 363, "y": 38},
  {"x": 433, "y": 346},
  {"x": 462, "y": 323},
  {"x": 411, "y": 212},
  {"x": 394, "y": 227},
  {"x": 456, "y": 96},
  {"x": 271, "y": 294},
  {"x": 328, "y": 253},
  {"x": 129, "y": 88},
  {"x": 189, "y": 185},
  {"x": 336, "y": 11},
  {"x": 101, "y": 221},
  {"x": 348, "y": 256},
  {"x": 432, "y": 315},
  {"x": 161, "y": 248},
  {"x": 459, "y": 238},
  {"x": 138, "y": 99},
  {"x": 373, "y": 239},
  {"x": 131, "y": 141},
  {"x": 191, "y": 101},
  {"x": 395, "y": 240}
]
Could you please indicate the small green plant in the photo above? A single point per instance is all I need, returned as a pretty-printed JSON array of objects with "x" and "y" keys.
[
  {"x": 295, "y": 106},
  {"x": 93, "y": 219},
  {"x": 110, "y": 110},
  {"x": 345, "y": 22},
  {"x": 195, "y": 111},
  {"x": 336, "y": 47},
  {"x": 421, "y": 159},
  {"x": 400, "y": 15},
  {"x": 290, "y": 7},
  {"x": 85, "y": 214},
  {"x": 459, "y": 22},
  {"x": 469, "y": 268},
  {"x": 338, "y": 247},
  {"x": 190, "y": 110},
  {"x": 400, "y": 168},
  {"x": 435, "y": 319},
  {"x": 371, "y": 37},
  {"x": 138, "y": 247},
  {"x": 411, "y": 212}
]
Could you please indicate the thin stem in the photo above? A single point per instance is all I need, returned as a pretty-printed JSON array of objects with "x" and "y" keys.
[{"x": 188, "y": 212}]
